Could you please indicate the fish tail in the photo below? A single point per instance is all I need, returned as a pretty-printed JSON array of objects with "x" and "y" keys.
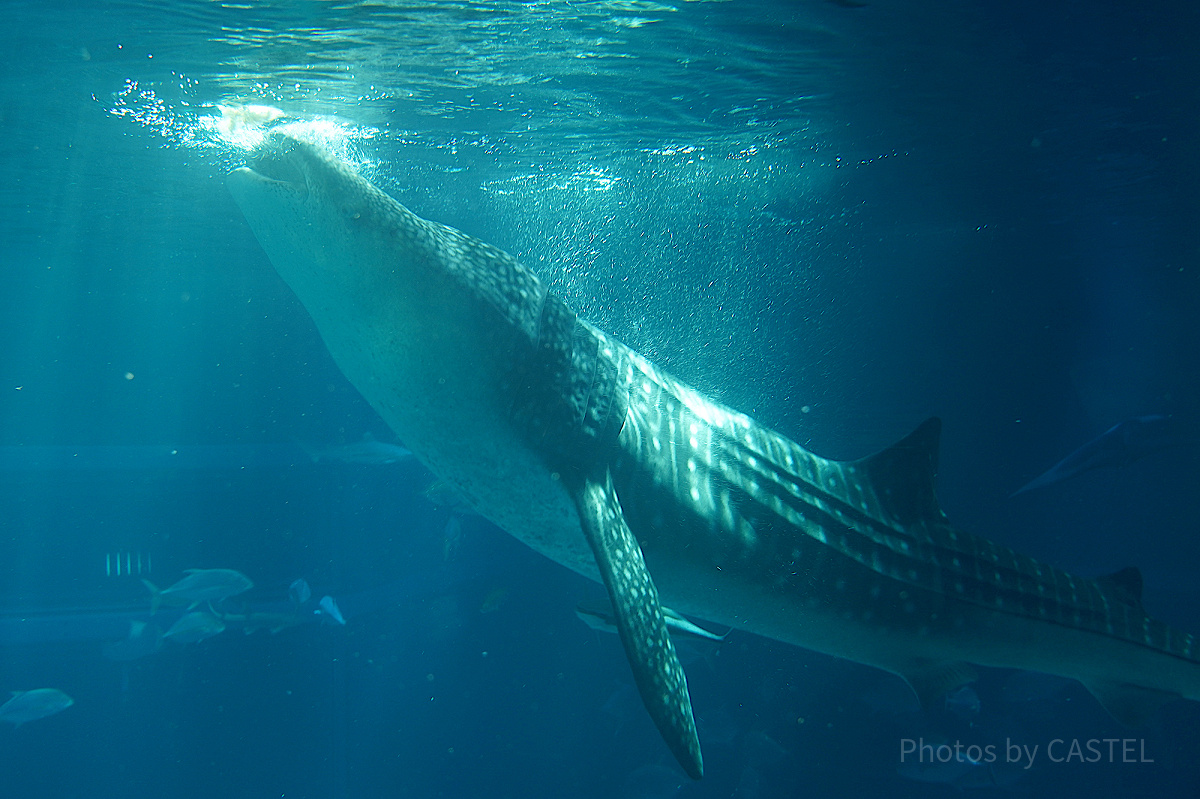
[{"x": 154, "y": 595}]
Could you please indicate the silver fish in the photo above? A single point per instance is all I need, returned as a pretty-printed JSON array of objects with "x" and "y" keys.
[
  {"x": 33, "y": 705},
  {"x": 194, "y": 627},
  {"x": 200, "y": 585}
]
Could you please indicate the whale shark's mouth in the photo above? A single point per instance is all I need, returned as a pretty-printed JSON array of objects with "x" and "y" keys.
[{"x": 278, "y": 162}]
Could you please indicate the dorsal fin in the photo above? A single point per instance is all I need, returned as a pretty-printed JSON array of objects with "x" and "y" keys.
[
  {"x": 903, "y": 474},
  {"x": 1125, "y": 584}
]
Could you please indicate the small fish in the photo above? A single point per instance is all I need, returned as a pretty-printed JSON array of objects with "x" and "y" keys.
[
  {"x": 942, "y": 763},
  {"x": 492, "y": 602},
  {"x": 599, "y": 616},
  {"x": 329, "y": 607},
  {"x": 194, "y": 627},
  {"x": 200, "y": 585},
  {"x": 963, "y": 703},
  {"x": 938, "y": 760},
  {"x": 33, "y": 705},
  {"x": 145, "y": 638},
  {"x": 299, "y": 591}
]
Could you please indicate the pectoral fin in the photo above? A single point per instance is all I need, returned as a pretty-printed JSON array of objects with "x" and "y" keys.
[
  {"x": 640, "y": 621},
  {"x": 932, "y": 680}
]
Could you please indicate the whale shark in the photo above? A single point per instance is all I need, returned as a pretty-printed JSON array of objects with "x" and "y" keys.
[{"x": 586, "y": 451}]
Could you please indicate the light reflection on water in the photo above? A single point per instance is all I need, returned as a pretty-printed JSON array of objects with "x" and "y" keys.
[{"x": 539, "y": 76}]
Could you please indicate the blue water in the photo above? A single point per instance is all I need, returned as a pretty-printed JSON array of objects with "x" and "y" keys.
[{"x": 838, "y": 219}]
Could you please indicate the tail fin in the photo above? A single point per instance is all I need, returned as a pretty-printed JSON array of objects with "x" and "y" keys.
[{"x": 154, "y": 595}]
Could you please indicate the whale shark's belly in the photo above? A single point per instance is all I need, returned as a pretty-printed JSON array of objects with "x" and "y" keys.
[{"x": 460, "y": 428}]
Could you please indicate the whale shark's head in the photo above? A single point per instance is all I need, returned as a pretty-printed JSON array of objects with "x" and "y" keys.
[
  {"x": 312, "y": 212},
  {"x": 351, "y": 252},
  {"x": 419, "y": 316}
]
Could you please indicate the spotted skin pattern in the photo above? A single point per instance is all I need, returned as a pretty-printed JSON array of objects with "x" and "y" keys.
[{"x": 640, "y": 623}]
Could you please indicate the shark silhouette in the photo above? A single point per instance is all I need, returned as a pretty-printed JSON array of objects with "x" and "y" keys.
[
  {"x": 1120, "y": 445},
  {"x": 586, "y": 451}
]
